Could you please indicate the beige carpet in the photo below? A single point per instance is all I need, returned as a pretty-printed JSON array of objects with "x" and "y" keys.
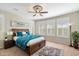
[{"x": 14, "y": 51}]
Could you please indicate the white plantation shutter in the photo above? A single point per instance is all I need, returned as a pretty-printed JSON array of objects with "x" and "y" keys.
[
  {"x": 41, "y": 28},
  {"x": 63, "y": 27},
  {"x": 53, "y": 27}
]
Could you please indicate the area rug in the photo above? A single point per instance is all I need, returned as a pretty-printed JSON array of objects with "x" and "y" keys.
[{"x": 49, "y": 51}]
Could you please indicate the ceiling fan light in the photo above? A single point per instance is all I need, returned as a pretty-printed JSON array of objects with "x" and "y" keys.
[{"x": 38, "y": 9}]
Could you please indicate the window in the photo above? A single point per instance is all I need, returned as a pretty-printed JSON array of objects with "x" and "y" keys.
[
  {"x": 54, "y": 27},
  {"x": 63, "y": 27},
  {"x": 51, "y": 27},
  {"x": 41, "y": 28},
  {"x": 36, "y": 27}
]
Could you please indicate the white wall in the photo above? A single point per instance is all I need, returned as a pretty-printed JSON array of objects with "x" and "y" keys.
[
  {"x": 74, "y": 19},
  {"x": 10, "y": 16},
  {"x": 2, "y": 29}
]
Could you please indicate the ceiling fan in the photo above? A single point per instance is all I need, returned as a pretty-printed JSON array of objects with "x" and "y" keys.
[{"x": 38, "y": 10}]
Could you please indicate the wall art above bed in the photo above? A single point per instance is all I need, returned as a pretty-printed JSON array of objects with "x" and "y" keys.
[{"x": 18, "y": 23}]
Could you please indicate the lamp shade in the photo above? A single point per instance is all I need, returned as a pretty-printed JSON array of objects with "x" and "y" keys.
[
  {"x": 10, "y": 33},
  {"x": 70, "y": 24}
]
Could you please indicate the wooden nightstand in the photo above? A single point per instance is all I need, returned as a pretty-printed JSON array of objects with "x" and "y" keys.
[{"x": 9, "y": 43}]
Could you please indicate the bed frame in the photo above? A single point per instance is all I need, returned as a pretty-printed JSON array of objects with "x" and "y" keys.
[{"x": 32, "y": 48}]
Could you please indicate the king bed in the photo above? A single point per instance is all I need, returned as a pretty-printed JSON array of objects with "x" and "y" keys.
[{"x": 32, "y": 45}]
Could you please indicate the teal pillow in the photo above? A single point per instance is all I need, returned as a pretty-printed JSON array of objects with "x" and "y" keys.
[
  {"x": 28, "y": 33},
  {"x": 19, "y": 34}
]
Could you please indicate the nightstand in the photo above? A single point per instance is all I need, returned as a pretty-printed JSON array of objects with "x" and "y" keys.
[{"x": 8, "y": 43}]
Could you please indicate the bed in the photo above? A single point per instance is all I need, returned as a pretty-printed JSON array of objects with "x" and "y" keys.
[{"x": 33, "y": 45}]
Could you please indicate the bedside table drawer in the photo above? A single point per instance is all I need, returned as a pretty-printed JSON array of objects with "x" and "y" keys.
[{"x": 8, "y": 44}]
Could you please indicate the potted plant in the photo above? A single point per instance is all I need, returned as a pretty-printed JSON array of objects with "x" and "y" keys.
[{"x": 75, "y": 37}]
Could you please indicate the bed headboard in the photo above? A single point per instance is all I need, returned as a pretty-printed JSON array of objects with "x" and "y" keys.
[
  {"x": 19, "y": 30},
  {"x": 14, "y": 30}
]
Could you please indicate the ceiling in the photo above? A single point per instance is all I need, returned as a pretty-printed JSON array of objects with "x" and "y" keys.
[{"x": 54, "y": 9}]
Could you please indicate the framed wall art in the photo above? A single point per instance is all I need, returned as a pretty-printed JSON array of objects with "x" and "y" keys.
[{"x": 20, "y": 24}]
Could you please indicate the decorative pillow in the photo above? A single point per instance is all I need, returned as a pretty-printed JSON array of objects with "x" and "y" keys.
[
  {"x": 14, "y": 34},
  {"x": 28, "y": 33},
  {"x": 23, "y": 33},
  {"x": 19, "y": 34}
]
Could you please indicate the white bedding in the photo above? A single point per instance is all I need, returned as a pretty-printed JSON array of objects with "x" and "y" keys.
[{"x": 32, "y": 41}]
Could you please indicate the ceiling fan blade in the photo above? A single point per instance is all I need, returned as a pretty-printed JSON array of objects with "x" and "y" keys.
[
  {"x": 37, "y": 12},
  {"x": 44, "y": 12}
]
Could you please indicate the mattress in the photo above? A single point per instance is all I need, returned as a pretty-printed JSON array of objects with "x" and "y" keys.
[{"x": 33, "y": 41}]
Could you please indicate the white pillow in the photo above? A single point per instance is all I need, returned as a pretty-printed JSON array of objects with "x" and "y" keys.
[{"x": 23, "y": 33}]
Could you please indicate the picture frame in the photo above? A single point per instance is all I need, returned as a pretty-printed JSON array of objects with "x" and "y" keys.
[{"x": 21, "y": 24}]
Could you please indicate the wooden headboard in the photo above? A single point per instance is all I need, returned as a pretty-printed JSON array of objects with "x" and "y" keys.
[
  {"x": 14, "y": 30},
  {"x": 19, "y": 30}
]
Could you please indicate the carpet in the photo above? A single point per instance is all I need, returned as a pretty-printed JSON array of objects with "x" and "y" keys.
[
  {"x": 49, "y": 51},
  {"x": 45, "y": 51},
  {"x": 13, "y": 51}
]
